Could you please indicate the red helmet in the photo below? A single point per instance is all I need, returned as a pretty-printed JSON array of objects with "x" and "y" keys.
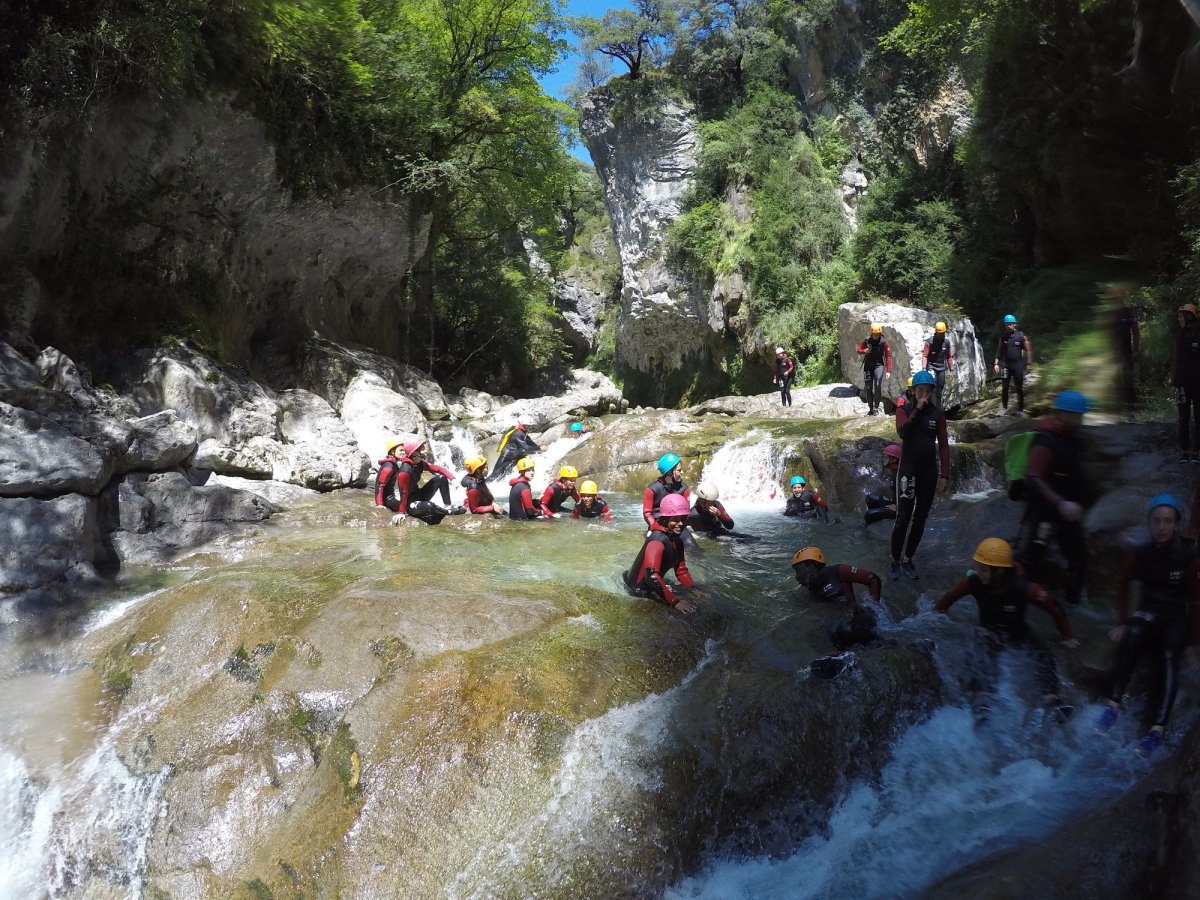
[
  {"x": 674, "y": 505},
  {"x": 413, "y": 444},
  {"x": 892, "y": 450}
]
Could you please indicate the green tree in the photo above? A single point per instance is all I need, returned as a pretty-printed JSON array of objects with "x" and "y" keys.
[{"x": 631, "y": 35}]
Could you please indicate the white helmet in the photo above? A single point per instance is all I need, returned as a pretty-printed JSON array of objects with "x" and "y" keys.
[
  {"x": 778, "y": 350},
  {"x": 708, "y": 491}
]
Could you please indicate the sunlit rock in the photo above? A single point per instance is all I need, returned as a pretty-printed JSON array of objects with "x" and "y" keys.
[{"x": 42, "y": 540}]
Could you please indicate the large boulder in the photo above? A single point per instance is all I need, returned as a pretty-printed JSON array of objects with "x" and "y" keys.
[
  {"x": 43, "y": 541},
  {"x": 825, "y": 401},
  {"x": 905, "y": 329},
  {"x": 374, "y": 412},
  {"x": 328, "y": 370},
  {"x": 43, "y": 459},
  {"x": 161, "y": 440},
  {"x": 578, "y": 392},
  {"x": 322, "y": 451}
]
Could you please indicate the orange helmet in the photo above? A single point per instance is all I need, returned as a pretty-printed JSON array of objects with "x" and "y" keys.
[
  {"x": 876, "y": 328},
  {"x": 1189, "y": 308},
  {"x": 809, "y": 554},
  {"x": 994, "y": 551}
]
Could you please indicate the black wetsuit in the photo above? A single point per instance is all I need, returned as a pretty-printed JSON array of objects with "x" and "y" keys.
[
  {"x": 522, "y": 505},
  {"x": 785, "y": 371},
  {"x": 598, "y": 510},
  {"x": 1064, "y": 476},
  {"x": 881, "y": 505},
  {"x": 518, "y": 444},
  {"x": 876, "y": 363},
  {"x": 1164, "y": 622},
  {"x": 713, "y": 520},
  {"x": 809, "y": 503},
  {"x": 937, "y": 356},
  {"x": 1186, "y": 379},
  {"x": 660, "y": 553},
  {"x": 1012, "y": 358},
  {"x": 1125, "y": 330},
  {"x": 834, "y": 584},
  {"x": 924, "y": 444}
]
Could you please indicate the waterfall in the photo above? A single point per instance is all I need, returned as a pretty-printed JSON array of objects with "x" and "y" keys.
[
  {"x": 748, "y": 470},
  {"x": 450, "y": 455},
  {"x": 548, "y": 461}
]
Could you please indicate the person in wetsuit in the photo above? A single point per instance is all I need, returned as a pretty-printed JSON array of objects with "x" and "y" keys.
[
  {"x": 515, "y": 444},
  {"x": 936, "y": 357},
  {"x": 877, "y": 366},
  {"x": 1056, "y": 493},
  {"x": 1185, "y": 378},
  {"x": 1002, "y": 595},
  {"x": 399, "y": 488},
  {"x": 924, "y": 466},
  {"x": 708, "y": 515},
  {"x": 670, "y": 481},
  {"x": 785, "y": 371},
  {"x": 560, "y": 491},
  {"x": 522, "y": 505},
  {"x": 805, "y": 501},
  {"x": 479, "y": 496},
  {"x": 1015, "y": 351},
  {"x": 835, "y": 584},
  {"x": 661, "y": 553},
  {"x": 590, "y": 506},
  {"x": 1167, "y": 620},
  {"x": 882, "y": 505},
  {"x": 1126, "y": 344}
]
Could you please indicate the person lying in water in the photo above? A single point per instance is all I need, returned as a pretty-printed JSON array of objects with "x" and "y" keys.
[
  {"x": 661, "y": 553},
  {"x": 590, "y": 506},
  {"x": 835, "y": 584}
]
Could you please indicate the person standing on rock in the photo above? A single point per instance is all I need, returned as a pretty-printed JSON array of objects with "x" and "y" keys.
[
  {"x": 785, "y": 371},
  {"x": 1056, "y": 493},
  {"x": 877, "y": 366},
  {"x": 1001, "y": 596},
  {"x": 805, "y": 501},
  {"x": 560, "y": 491},
  {"x": 515, "y": 444},
  {"x": 936, "y": 357},
  {"x": 670, "y": 481},
  {"x": 403, "y": 491},
  {"x": 479, "y": 496},
  {"x": 924, "y": 467},
  {"x": 1167, "y": 620},
  {"x": 882, "y": 505},
  {"x": 522, "y": 505},
  {"x": 1185, "y": 378},
  {"x": 590, "y": 506},
  {"x": 708, "y": 515},
  {"x": 1015, "y": 351},
  {"x": 661, "y": 553}
]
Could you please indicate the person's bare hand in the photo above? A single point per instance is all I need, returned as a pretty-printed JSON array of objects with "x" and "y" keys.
[{"x": 685, "y": 606}]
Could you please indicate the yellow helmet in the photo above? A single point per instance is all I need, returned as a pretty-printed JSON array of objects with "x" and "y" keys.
[
  {"x": 524, "y": 464},
  {"x": 994, "y": 551},
  {"x": 473, "y": 463},
  {"x": 568, "y": 472},
  {"x": 809, "y": 554},
  {"x": 876, "y": 328},
  {"x": 588, "y": 489},
  {"x": 909, "y": 382},
  {"x": 940, "y": 327},
  {"x": 393, "y": 442}
]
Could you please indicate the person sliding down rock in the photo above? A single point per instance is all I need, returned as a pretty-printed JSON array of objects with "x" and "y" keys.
[
  {"x": 590, "y": 506},
  {"x": 515, "y": 444},
  {"x": 661, "y": 553},
  {"x": 708, "y": 515},
  {"x": 670, "y": 481},
  {"x": 1168, "y": 617},
  {"x": 522, "y": 505},
  {"x": 882, "y": 505},
  {"x": 1002, "y": 595},
  {"x": 835, "y": 584},
  {"x": 399, "y": 489},
  {"x": 925, "y": 447},
  {"x": 559, "y": 491},
  {"x": 479, "y": 496},
  {"x": 805, "y": 502}
]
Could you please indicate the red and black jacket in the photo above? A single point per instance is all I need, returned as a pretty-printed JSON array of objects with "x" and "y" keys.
[
  {"x": 385, "y": 483},
  {"x": 1002, "y": 604},
  {"x": 408, "y": 478},
  {"x": 661, "y": 553},
  {"x": 556, "y": 495},
  {"x": 652, "y": 498},
  {"x": 521, "y": 503},
  {"x": 479, "y": 495},
  {"x": 713, "y": 520},
  {"x": 875, "y": 353},
  {"x": 836, "y": 582},
  {"x": 598, "y": 510}
]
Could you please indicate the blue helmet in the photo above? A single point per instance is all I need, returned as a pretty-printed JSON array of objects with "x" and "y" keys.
[
  {"x": 1010, "y": 319},
  {"x": 667, "y": 462},
  {"x": 924, "y": 377},
  {"x": 1165, "y": 500},
  {"x": 1071, "y": 401},
  {"x": 796, "y": 479},
  {"x": 576, "y": 426}
]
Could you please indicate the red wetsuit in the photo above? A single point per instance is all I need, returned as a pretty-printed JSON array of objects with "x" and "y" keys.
[
  {"x": 835, "y": 582},
  {"x": 408, "y": 479},
  {"x": 479, "y": 495},
  {"x": 655, "y": 491},
  {"x": 521, "y": 504},
  {"x": 1002, "y": 606},
  {"x": 661, "y": 553},
  {"x": 555, "y": 495}
]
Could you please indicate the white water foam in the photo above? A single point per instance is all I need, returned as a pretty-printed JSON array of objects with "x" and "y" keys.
[
  {"x": 748, "y": 471},
  {"x": 547, "y": 462},
  {"x": 450, "y": 455},
  {"x": 104, "y": 617}
]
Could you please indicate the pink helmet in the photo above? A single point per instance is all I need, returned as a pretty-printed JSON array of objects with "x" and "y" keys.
[
  {"x": 674, "y": 505},
  {"x": 892, "y": 450},
  {"x": 412, "y": 444}
]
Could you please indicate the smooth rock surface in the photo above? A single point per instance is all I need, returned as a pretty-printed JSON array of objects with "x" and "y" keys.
[
  {"x": 825, "y": 401},
  {"x": 41, "y": 458},
  {"x": 41, "y": 541},
  {"x": 321, "y": 450},
  {"x": 374, "y": 413},
  {"x": 328, "y": 370}
]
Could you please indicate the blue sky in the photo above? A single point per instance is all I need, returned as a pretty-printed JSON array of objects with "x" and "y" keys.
[{"x": 556, "y": 82}]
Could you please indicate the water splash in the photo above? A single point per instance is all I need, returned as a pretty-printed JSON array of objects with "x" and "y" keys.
[
  {"x": 450, "y": 455},
  {"x": 748, "y": 470},
  {"x": 547, "y": 462}
]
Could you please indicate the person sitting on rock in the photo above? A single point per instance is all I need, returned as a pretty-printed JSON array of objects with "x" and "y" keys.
[
  {"x": 805, "y": 502},
  {"x": 522, "y": 505},
  {"x": 661, "y": 553},
  {"x": 590, "y": 506},
  {"x": 709, "y": 515},
  {"x": 406, "y": 490},
  {"x": 835, "y": 584},
  {"x": 877, "y": 366},
  {"x": 1002, "y": 595},
  {"x": 479, "y": 496},
  {"x": 1167, "y": 621},
  {"x": 559, "y": 491},
  {"x": 670, "y": 481},
  {"x": 936, "y": 357},
  {"x": 882, "y": 505},
  {"x": 515, "y": 444}
]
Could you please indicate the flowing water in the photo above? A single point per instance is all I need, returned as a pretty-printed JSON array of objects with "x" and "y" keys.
[{"x": 334, "y": 706}]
